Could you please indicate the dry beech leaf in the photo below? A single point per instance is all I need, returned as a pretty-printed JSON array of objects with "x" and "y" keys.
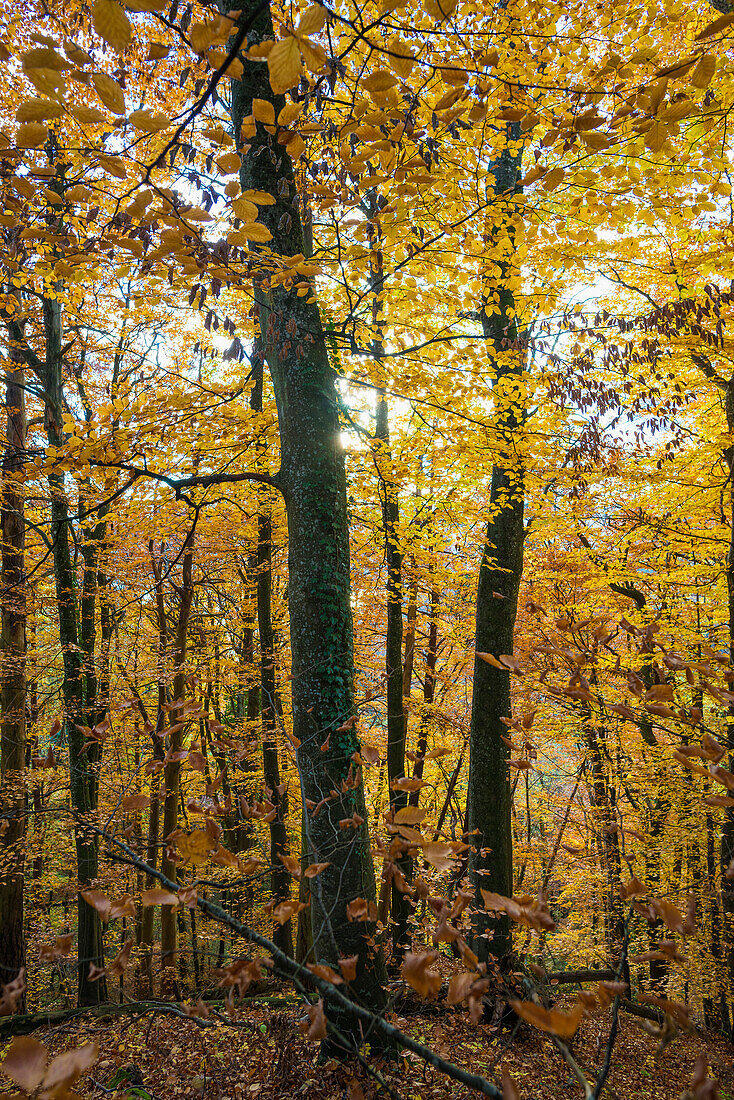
[
  {"x": 361, "y": 910},
  {"x": 25, "y": 1062},
  {"x": 563, "y": 1024},
  {"x": 135, "y": 802},
  {"x": 111, "y": 23},
  {"x": 158, "y": 896},
  {"x": 284, "y": 65},
  {"x": 110, "y": 92},
  {"x": 315, "y": 869},
  {"x": 410, "y": 815},
  {"x": 417, "y": 973},
  {"x": 348, "y": 967},
  {"x": 316, "y": 1028},
  {"x": 291, "y": 864},
  {"x": 509, "y": 1088}
]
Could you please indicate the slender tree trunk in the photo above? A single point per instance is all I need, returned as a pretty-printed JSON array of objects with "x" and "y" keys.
[
  {"x": 172, "y": 769},
  {"x": 83, "y": 758},
  {"x": 411, "y": 616},
  {"x": 727, "y": 829},
  {"x": 313, "y": 481},
  {"x": 489, "y": 798},
  {"x": 13, "y": 675},
  {"x": 280, "y": 876},
  {"x": 393, "y": 666},
  {"x": 429, "y": 694}
]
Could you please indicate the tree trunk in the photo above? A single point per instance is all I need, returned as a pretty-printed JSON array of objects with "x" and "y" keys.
[
  {"x": 393, "y": 665},
  {"x": 13, "y": 736},
  {"x": 83, "y": 758},
  {"x": 172, "y": 769},
  {"x": 279, "y": 875},
  {"x": 489, "y": 798},
  {"x": 727, "y": 829},
  {"x": 313, "y": 481}
]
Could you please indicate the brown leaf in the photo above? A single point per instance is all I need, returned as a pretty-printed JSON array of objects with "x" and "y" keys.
[
  {"x": 360, "y": 909},
  {"x": 135, "y": 802},
  {"x": 291, "y": 864},
  {"x": 315, "y": 869},
  {"x": 348, "y": 967},
  {"x": 317, "y": 1021},
  {"x": 158, "y": 896},
  {"x": 98, "y": 901},
  {"x": 607, "y": 991},
  {"x": 509, "y": 1088},
  {"x": 671, "y": 917},
  {"x": 563, "y": 1024},
  {"x": 440, "y": 856},
  {"x": 287, "y": 909},
  {"x": 321, "y": 970},
  {"x": 125, "y": 907},
  {"x": 410, "y": 815},
  {"x": 416, "y": 972},
  {"x": 459, "y": 987},
  {"x": 25, "y": 1063},
  {"x": 66, "y": 1067}
]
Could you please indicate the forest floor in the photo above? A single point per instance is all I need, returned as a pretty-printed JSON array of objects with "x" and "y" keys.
[{"x": 266, "y": 1057}]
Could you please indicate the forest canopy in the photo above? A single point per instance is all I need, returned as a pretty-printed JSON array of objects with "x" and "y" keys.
[{"x": 367, "y": 510}]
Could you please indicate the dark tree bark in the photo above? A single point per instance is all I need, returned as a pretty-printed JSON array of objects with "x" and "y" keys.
[
  {"x": 279, "y": 874},
  {"x": 13, "y": 675},
  {"x": 79, "y": 688},
  {"x": 489, "y": 798},
  {"x": 313, "y": 481},
  {"x": 172, "y": 768}
]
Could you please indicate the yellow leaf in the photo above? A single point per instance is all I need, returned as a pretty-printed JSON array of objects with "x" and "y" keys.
[
  {"x": 114, "y": 165},
  {"x": 201, "y": 36},
  {"x": 110, "y": 92},
  {"x": 254, "y": 231},
  {"x": 312, "y": 19},
  {"x": 656, "y": 137},
  {"x": 295, "y": 146},
  {"x": 196, "y": 214},
  {"x": 149, "y": 122},
  {"x": 440, "y": 9},
  {"x": 36, "y": 110},
  {"x": 30, "y": 135},
  {"x": 455, "y": 77},
  {"x": 245, "y": 210},
  {"x": 88, "y": 116},
  {"x": 145, "y": 5},
  {"x": 400, "y": 58},
  {"x": 157, "y": 50},
  {"x": 196, "y": 846},
  {"x": 111, "y": 23},
  {"x": 379, "y": 82},
  {"x": 290, "y": 113},
  {"x": 262, "y": 198},
  {"x": 553, "y": 178},
  {"x": 704, "y": 71},
  {"x": 76, "y": 54},
  {"x": 229, "y": 163},
  {"x": 46, "y": 81},
  {"x": 717, "y": 25},
  {"x": 314, "y": 57},
  {"x": 284, "y": 65},
  {"x": 263, "y": 111}
]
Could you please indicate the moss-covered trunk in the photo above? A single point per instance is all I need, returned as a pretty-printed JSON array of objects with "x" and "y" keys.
[
  {"x": 13, "y": 676},
  {"x": 312, "y": 479},
  {"x": 489, "y": 799}
]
